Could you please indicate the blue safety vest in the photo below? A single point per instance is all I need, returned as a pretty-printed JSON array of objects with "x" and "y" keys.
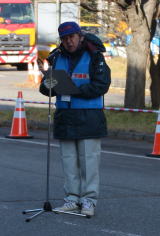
[{"x": 79, "y": 76}]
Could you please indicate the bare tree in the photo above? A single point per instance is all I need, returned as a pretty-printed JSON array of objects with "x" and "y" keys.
[{"x": 139, "y": 15}]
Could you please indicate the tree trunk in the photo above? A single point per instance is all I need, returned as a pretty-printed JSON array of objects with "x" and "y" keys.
[
  {"x": 155, "y": 81},
  {"x": 137, "y": 53},
  {"x": 140, "y": 18},
  {"x": 154, "y": 67}
]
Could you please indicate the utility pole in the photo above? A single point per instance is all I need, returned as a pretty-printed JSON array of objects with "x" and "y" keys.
[
  {"x": 100, "y": 7},
  {"x": 35, "y": 5},
  {"x": 58, "y": 9}
]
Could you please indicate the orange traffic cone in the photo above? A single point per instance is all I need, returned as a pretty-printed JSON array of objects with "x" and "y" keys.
[
  {"x": 156, "y": 146},
  {"x": 30, "y": 72},
  {"x": 37, "y": 73},
  {"x": 19, "y": 123},
  {"x": 45, "y": 65}
]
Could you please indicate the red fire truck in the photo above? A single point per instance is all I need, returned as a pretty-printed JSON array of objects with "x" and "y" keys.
[{"x": 17, "y": 33}]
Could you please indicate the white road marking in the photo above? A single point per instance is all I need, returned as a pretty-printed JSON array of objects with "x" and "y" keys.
[
  {"x": 127, "y": 154},
  {"x": 27, "y": 141},
  {"x": 57, "y": 145},
  {"x": 108, "y": 231},
  {"x": 4, "y": 207},
  {"x": 69, "y": 223},
  {"x": 118, "y": 233}
]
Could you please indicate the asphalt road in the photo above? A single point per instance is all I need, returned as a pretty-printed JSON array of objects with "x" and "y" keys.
[
  {"x": 13, "y": 81},
  {"x": 129, "y": 202}
]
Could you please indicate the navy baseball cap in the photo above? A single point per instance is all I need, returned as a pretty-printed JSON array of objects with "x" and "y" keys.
[{"x": 69, "y": 27}]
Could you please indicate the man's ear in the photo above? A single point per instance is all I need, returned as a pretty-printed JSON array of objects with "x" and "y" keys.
[{"x": 81, "y": 38}]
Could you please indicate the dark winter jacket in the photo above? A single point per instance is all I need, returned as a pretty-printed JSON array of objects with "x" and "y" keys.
[{"x": 83, "y": 123}]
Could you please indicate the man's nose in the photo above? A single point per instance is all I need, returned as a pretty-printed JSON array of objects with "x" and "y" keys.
[{"x": 68, "y": 39}]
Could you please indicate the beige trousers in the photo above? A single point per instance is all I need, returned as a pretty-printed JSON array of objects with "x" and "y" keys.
[{"x": 80, "y": 161}]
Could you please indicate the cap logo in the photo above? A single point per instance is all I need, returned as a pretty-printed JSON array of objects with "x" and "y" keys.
[{"x": 65, "y": 28}]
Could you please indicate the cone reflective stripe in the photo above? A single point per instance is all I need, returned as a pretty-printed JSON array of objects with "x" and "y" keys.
[
  {"x": 45, "y": 65},
  {"x": 19, "y": 123},
  {"x": 30, "y": 72},
  {"x": 37, "y": 73},
  {"x": 156, "y": 146}
]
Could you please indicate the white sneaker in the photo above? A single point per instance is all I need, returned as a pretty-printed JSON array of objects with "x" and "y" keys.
[
  {"x": 87, "y": 208},
  {"x": 68, "y": 206}
]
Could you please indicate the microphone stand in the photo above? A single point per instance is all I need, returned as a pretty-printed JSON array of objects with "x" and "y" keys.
[{"x": 47, "y": 207}]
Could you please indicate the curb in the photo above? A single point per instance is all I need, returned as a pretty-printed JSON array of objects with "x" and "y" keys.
[
  {"x": 111, "y": 133},
  {"x": 131, "y": 135},
  {"x": 118, "y": 134}
]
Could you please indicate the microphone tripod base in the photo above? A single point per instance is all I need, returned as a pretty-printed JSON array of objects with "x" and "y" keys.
[{"x": 48, "y": 208}]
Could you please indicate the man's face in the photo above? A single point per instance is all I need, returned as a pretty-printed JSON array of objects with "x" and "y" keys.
[{"x": 71, "y": 42}]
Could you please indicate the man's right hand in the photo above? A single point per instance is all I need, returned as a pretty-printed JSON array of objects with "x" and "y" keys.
[{"x": 49, "y": 80}]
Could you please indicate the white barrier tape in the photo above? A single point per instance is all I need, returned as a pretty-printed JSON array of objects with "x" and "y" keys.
[
  {"x": 25, "y": 101},
  {"x": 105, "y": 108},
  {"x": 131, "y": 110}
]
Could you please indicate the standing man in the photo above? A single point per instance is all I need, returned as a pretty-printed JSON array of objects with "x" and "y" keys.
[{"x": 79, "y": 121}]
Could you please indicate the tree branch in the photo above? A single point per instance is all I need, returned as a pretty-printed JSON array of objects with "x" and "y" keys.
[
  {"x": 87, "y": 7},
  {"x": 124, "y": 3}
]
